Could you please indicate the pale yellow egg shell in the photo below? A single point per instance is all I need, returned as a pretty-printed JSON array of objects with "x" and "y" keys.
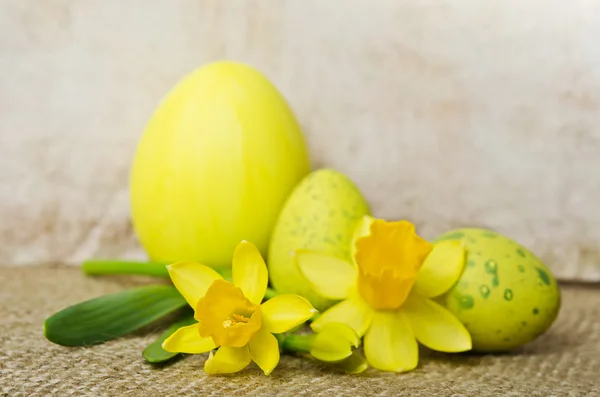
[
  {"x": 320, "y": 214},
  {"x": 506, "y": 297},
  {"x": 214, "y": 166}
]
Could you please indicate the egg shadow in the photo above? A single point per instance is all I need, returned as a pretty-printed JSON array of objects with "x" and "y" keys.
[
  {"x": 160, "y": 325},
  {"x": 552, "y": 343},
  {"x": 472, "y": 359}
]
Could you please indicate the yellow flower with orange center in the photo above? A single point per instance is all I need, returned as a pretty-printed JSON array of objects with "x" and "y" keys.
[
  {"x": 387, "y": 292},
  {"x": 230, "y": 314}
]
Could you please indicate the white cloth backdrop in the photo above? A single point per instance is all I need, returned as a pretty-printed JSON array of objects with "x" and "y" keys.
[{"x": 447, "y": 113}]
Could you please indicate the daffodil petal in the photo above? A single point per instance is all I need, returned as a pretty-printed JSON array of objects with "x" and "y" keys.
[
  {"x": 362, "y": 229},
  {"x": 264, "y": 350},
  {"x": 249, "y": 272},
  {"x": 390, "y": 344},
  {"x": 441, "y": 270},
  {"x": 227, "y": 360},
  {"x": 341, "y": 331},
  {"x": 435, "y": 327},
  {"x": 188, "y": 340},
  {"x": 192, "y": 279},
  {"x": 355, "y": 364},
  {"x": 328, "y": 275},
  {"x": 284, "y": 312},
  {"x": 334, "y": 342},
  {"x": 353, "y": 312},
  {"x": 330, "y": 349}
]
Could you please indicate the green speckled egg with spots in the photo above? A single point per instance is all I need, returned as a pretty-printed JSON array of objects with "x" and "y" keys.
[
  {"x": 320, "y": 214},
  {"x": 506, "y": 297}
]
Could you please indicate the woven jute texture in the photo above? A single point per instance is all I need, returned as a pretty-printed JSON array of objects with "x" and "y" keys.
[{"x": 563, "y": 362}]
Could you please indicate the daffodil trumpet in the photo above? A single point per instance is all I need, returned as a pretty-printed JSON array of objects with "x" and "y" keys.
[
  {"x": 230, "y": 316},
  {"x": 387, "y": 293}
]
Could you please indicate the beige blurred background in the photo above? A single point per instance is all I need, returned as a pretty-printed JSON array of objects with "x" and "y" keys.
[{"x": 448, "y": 113}]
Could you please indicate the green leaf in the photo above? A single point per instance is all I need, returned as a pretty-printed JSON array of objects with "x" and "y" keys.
[
  {"x": 154, "y": 353},
  {"x": 111, "y": 316}
]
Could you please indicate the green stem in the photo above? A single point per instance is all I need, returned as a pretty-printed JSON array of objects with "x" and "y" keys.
[
  {"x": 97, "y": 267},
  {"x": 298, "y": 343}
]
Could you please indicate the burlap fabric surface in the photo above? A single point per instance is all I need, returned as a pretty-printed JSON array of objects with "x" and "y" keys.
[{"x": 563, "y": 362}]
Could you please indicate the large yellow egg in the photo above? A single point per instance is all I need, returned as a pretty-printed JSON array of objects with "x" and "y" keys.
[
  {"x": 506, "y": 297},
  {"x": 214, "y": 166},
  {"x": 321, "y": 215}
]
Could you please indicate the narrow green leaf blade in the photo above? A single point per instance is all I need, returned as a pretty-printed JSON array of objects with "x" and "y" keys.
[
  {"x": 154, "y": 353},
  {"x": 111, "y": 316}
]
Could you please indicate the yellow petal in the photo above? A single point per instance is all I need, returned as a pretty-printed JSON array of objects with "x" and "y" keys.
[
  {"x": 363, "y": 228},
  {"x": 353, "y": 312},
  {"x": 264, "y": 350},
  {"x": 341, "y": 331},
  {"x": 249, "y": 272},
  {"x": 334, "y": 342},
  {"x": 331, "y": 350},
  {"x": 188, "y": 340},
  {"x": 390, "y": 344},
  {"x": 284, "y": 312},
  {"x": 441, "y": 270},
  {"x": 328, "y": 275},
  {"x": 355, "y": 364},
  {"x": 227, "y": 360},
  {"x": 192, "y": 279},
  {"x": 435, "y": 327}
]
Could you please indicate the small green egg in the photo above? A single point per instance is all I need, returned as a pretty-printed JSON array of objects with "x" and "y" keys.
[
  {"x": 506, "y": 297},
  {"x": 320, "y": 214}
]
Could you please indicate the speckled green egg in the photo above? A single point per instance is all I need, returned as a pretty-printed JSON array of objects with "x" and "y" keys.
[
  {"x": 506, "y": 297},
  {"x": 320, "y": 214}
]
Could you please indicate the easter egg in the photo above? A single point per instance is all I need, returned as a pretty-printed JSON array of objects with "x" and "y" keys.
[
  {"x": 506, "y": 297},
  {"x": 321, "y": 215},
  {"x": 214, "y": 166}
]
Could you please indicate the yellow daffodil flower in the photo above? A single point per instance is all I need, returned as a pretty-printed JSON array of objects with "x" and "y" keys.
[
  {"x": 230, "y": 315},
  {"x": 387, "y": 293},
  {"x": 335, "y": 344}
]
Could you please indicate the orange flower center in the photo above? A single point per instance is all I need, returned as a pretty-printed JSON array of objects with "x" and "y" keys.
[
  {"x": 227, "y": 316},
  {"x": 389, "y": 259}
]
